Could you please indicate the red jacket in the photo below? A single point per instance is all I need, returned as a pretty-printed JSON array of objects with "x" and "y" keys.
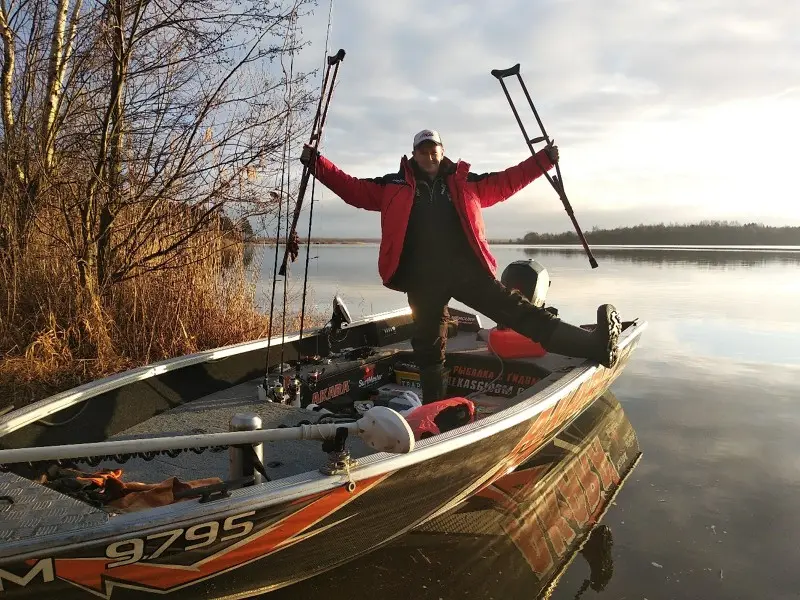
[{"x": 393, "y": 195}]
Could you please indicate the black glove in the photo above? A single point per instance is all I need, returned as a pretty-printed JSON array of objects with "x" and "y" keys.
[
  {"x": 552, "y": 152},
  {"x": 308, "y": 152}
]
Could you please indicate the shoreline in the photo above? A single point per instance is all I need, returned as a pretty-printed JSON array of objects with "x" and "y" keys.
[{"x": 569, "y": 246}]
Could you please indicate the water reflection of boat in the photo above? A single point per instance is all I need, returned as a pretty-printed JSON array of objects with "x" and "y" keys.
[{"x": 518, "y": 535}]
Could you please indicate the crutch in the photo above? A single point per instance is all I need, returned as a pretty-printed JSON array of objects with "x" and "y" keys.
[
  {"x": 293, "y": 246},
  {"x": 557, "y": 182}
]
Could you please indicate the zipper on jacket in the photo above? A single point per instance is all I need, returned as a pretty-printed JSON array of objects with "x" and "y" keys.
[{"x": 430, "y": 189}]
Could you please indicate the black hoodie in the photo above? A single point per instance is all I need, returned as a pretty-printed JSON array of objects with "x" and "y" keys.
[{"x": 435, "y": 242}]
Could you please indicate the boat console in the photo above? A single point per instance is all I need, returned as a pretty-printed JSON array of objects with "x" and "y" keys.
[{"x": 348, "y": 379}]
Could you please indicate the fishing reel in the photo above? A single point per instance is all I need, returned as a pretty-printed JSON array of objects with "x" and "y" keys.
[{"x": 281, "y": 389}]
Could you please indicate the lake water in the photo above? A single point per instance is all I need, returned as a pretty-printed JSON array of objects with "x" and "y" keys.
[{"x": 711, "y": 510}]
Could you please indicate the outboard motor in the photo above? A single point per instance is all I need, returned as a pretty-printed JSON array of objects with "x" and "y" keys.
[{"x": 529, "y": 278}]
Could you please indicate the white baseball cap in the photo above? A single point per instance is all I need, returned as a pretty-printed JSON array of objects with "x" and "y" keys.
[{"x": 427, "y": 135}]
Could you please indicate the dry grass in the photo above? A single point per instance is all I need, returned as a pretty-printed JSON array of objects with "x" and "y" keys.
[{"x": 52, "y": 337}]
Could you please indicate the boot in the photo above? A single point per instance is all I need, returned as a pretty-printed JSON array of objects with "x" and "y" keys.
[
  {"x": 433, "y": 381},
  {"x": 599, "y": 345}
]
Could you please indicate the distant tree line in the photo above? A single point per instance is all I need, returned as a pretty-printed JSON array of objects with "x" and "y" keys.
[{"x": 716, "y": 233}]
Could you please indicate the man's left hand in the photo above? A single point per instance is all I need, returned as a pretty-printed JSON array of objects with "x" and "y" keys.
[
  {"x": 307, "y": 155},
  {"x": 552, "y": 152}
]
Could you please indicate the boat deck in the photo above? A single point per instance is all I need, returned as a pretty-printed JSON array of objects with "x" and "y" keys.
[
  {"x": 470, "y": 343},
  {"x": 29, "y": 509},
  {"x": 213, "y": 413}
]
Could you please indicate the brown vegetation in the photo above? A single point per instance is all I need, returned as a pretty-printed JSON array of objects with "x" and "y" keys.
[
  {"x": 58, "y": 336},
  {"x": 136, "y": 136}
]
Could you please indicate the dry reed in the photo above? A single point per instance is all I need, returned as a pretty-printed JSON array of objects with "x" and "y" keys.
[{"x": 54, "y": 337}]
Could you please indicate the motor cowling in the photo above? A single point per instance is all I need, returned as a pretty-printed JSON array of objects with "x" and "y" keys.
[{"x": 529, "y": 278}]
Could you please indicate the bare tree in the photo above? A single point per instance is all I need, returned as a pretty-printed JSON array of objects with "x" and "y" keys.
[
  {"x": 134, "y": 124},
  {"x": 134, "y": 132},
  {"x": 32, "y": 94}
]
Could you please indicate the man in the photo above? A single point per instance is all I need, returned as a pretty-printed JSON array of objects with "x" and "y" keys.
[{"x": 434, "y": 248}]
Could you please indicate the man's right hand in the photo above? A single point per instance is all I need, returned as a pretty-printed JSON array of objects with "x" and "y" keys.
[
  {"x": 552, "y": 152},
  {"x": 308, "y": 152}
]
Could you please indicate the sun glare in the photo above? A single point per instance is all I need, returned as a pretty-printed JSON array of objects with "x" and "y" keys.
[{"x": 733, "y": 158}]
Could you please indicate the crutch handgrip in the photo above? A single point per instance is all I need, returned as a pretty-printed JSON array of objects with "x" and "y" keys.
[
  {"x": 500, "y": 73},
  {"x": 338, "y": 57}
]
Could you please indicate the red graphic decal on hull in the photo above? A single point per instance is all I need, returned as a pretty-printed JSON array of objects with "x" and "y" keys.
[
  {"x": 561, "y": 512},
  {"x": 101, "y": 574}
]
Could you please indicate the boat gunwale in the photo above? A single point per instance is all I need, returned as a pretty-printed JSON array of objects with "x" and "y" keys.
[
  {"x": 314, "y": 482},
  {"x": 46, "y": 407}
]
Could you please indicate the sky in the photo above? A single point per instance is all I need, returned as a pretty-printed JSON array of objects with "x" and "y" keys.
[{"x": 663, "y": 111}]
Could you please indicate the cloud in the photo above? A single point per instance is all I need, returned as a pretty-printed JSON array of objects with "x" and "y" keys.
[{"x": 662, "y": 111}]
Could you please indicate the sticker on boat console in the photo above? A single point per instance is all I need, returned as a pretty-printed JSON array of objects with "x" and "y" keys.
[
  {"x": 490, "y": 381},
  {"x": 332, "y": 391},
  {"x": 371, "y": 376},
  {"x": 509, "y": 377}
]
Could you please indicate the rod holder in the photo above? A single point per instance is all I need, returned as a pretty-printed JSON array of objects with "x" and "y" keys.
[{"x": 241, "y": 458}]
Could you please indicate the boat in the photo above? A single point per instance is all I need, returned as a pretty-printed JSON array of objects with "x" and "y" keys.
[
  {"x": 242, "y": 470},
  {"x": 517, "y": 537}
]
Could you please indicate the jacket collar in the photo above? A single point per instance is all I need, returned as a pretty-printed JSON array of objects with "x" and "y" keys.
[{"x": 446, "y": 168}]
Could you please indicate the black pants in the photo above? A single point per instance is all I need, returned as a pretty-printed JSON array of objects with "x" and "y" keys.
[{"x": 480, "y": 291}]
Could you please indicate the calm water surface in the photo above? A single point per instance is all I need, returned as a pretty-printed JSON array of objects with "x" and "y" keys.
[{"x": 711, "y": 510}]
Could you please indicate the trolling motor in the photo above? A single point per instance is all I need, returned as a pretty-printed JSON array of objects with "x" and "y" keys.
[{"x": 381, "y": 428}]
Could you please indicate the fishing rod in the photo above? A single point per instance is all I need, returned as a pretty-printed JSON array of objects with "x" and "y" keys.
[
  {"x": 286, "y": 154},
  {"x": 292, "y": 243},
  {"x": 293, "y": 246},
  {"x": 558, "y": 181},
  {"x": 282, "y": 194}
]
